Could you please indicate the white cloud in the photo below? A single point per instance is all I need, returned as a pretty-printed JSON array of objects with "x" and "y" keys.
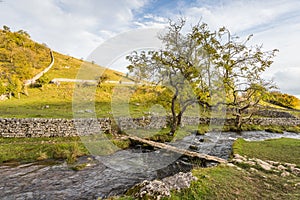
[
  {"x": 289, "y": 80},
  {"x": 78, "y": 27},
  {"x": 242, "y": 15},
  {"x": 275, "y": 24},
  {"x": 71, "y": 27}
]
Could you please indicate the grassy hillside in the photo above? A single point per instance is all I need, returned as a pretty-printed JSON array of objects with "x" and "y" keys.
[
  {"x": 22, "y": 58},
  {"x": 280, "y": 100},
  {"x": 69, "y": 67},
  {"x": 56, "y": 101}
]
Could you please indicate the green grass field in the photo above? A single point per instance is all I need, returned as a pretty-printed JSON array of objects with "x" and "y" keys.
[
  {"x": 56, "y": 102},
  {"x": 283, "y": 150},
  {"x": 73, "y": 68}
]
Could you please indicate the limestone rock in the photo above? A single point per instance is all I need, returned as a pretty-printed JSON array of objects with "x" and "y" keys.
[
  {"x": 264, "y": 165},
  {"x": 284, "y": 174},
  {"x": 281, "y": 167},
  {"x": 179, "y": 181},
  {"x": 157, "y": 189},
  {"x": 237, "y": 156},
  {"x": 296, "y": 171},
  {"x": 253, "y": 169},
  {"x": 152, "y": 189}
]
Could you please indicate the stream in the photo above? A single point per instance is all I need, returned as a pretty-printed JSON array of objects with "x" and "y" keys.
[{"x": 112, "y": 175}]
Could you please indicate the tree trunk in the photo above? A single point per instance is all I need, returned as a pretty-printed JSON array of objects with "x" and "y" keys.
[
  {"x": 238, "y": 121},
  {"x": 173, "y": 127},
  {"x": 25, "y": 91},
  {"x": 179, "y": 117},
  {"x": 173, "y": 122},
  {"x": 174, "y": 117}
]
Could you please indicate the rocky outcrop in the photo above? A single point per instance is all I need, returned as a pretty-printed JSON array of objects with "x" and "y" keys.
[
  {"x": 158, "y": 189},
  {"x": 284, "y": 169}
]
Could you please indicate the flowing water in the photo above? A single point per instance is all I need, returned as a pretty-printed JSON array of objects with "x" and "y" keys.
[{"x": 113, "y": 175}]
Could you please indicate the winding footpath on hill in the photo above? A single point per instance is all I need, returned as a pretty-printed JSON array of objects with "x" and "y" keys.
[{"x": 39, "y": 75}]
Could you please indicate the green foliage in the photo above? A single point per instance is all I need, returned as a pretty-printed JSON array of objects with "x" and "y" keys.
[
  {"x": 2, "y": 88},
  {"x": 14, "y": 86},
  {"x": 102, "y": 79},
  {"x": 70, "y": 67},
  {"x": 178, "y": 67},
  {"x": 6, "y": 28},
  {"x": 79, "y": 167},
  {"x": 42, "y": 81},
  {"x": 194, "y": 66}
]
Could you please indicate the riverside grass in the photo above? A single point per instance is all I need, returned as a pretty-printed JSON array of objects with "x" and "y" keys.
[
  {"x": 282, "y": 150},
  {"x": 223, "y": 182},
  {"x": 26, "y": 150}
]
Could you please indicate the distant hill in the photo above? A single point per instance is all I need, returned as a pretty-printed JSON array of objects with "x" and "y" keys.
[
  {"x": 282, "y": 100},
  {"x": 22, "y": 58}
]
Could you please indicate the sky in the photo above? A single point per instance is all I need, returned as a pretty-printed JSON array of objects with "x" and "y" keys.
[{"x": 78, "y": 27}]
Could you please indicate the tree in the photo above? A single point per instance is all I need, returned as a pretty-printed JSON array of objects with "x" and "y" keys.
[
  {"x": 179, "y": 68},
  {"x": 42, "y": 81},
  {"x": 6, "y": 28},
  {"x": 102, "y": 79},
  {"x": 14, "y": 87},
  {"x": 242, "y": 67},
  {"x": 197, "y": 65},
  {"x": 2, "y": 88},
  {"x": 22, "y": 32}
]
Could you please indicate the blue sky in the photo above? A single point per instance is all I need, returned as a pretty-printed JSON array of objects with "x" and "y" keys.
[{"x": 77, "y": 27}]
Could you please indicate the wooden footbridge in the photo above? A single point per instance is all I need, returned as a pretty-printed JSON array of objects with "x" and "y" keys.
[{"x": 176, "y": 150}]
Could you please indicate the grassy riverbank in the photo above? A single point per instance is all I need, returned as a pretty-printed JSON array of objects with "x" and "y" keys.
[
  {"x": 225, "y": 182},
  {"x": 282, "y": 150},
  {"x": 24, "y": 150}
]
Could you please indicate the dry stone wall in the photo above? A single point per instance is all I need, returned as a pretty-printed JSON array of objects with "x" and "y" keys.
[{"x": 40, "y": 127}]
